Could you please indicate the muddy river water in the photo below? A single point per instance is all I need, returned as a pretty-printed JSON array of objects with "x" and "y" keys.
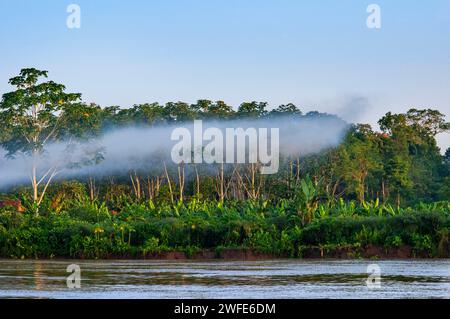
[{"x": 225, "y": 279}]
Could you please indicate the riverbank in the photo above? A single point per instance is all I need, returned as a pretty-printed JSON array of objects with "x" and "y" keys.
[
  {"x": 244, "y": 231},
  {"x": 343, "y": 252},
  {"x": 348, "y": 252},
  {"x": 370, "y": 252}
]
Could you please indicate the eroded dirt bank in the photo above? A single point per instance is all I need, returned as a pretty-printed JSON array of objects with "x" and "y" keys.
[{"x": 369, "y": 251}]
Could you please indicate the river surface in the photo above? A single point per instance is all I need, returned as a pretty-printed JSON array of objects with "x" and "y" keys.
[{"x": 225, "y": 279}]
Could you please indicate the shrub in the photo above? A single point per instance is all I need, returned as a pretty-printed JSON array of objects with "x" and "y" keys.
[{"x": 89, "y": 212}]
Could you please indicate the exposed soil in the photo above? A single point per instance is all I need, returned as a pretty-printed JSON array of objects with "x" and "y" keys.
[{"x": 346, "y": 252}]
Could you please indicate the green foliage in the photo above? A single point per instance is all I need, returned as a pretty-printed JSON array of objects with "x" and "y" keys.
[
  {"x": 306, "y": 199},
  {"x": 39, "y": 113},
  {"x": 388, "y": 188},
  {"x": 417, "y": 229},
  {"x": 89, "y": 211},
  {"x": 87, "y": 229},
  {"x": 152, "y": 246}
]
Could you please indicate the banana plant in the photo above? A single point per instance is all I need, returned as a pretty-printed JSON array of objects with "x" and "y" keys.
[
  {"x": 306, "y": 199},
  {"x": 323, "y": 211}
]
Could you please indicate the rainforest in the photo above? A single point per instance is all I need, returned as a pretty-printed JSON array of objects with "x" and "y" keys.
[{"x": 364, "y": 192}]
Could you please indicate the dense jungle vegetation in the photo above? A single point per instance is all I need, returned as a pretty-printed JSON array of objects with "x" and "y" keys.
[{"x": 388, "y": 188}]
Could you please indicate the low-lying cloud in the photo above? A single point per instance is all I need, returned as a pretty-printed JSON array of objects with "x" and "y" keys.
[{"x": 147, "y": 148}]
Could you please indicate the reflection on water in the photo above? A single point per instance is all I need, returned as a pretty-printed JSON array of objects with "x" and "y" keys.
[
  {"x": 225, "y": 279},
  {"x": 38, "y": 276}
]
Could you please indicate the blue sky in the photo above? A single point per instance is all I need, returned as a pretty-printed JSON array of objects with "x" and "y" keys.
[{"x": 316, "y": 54}]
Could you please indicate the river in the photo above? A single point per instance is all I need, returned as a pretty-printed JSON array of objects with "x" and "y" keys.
[{"x": 225, "y": 279}]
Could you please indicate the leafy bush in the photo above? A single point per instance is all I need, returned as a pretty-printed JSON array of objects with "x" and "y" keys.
[
  {"x": 89, "y": 211},
  {"x": 87, "y": 229}
]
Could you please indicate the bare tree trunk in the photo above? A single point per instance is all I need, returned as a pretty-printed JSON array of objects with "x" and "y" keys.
[
  {"x": 243, "y": 186},
  {"x": 153, "y": 186},
  {"x": 181, "y": 180},
  {"x": 361, "y": 193},
  {"x": 168, "y": 182},
  {"x": 136, "y": 183},
  {"x": 197, "y": 178},
  {"x": 149, "y": 187},
  {"x": 254, "y": 185},
  {"x": 92, "y": 189},
  {"x": 34, "y": 183},
  {"x": 253, "y": 180},
  {"x": 157, "y": 185},
  {"x": 221, "y": 184},
  {"x": 291, "y": 169},
  {"x": 335, "y": 186},
  {"x": 49, "y": 175}
]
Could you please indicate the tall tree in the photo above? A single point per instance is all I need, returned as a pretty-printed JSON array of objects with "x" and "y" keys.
[
  {"x": 141, "y": 114},
  {"x": 286, "y": 109},
  {"x": 252, "y": 109},
  {"x": 35, "y": 115},
  {"x": 180, "y": 112},
  {"x": 213, "y": 110},
  {"x": 412, "y": 159},
  {"x": 358, "y": 158}
]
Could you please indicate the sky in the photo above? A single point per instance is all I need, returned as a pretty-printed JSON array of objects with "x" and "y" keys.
[{"x": 319, "y": 55}]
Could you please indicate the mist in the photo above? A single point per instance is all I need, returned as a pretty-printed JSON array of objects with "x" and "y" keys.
[{"x": 149, "y": 148}]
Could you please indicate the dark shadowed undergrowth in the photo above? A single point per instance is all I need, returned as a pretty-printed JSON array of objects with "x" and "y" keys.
[{"x": 84, "y": 229}]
